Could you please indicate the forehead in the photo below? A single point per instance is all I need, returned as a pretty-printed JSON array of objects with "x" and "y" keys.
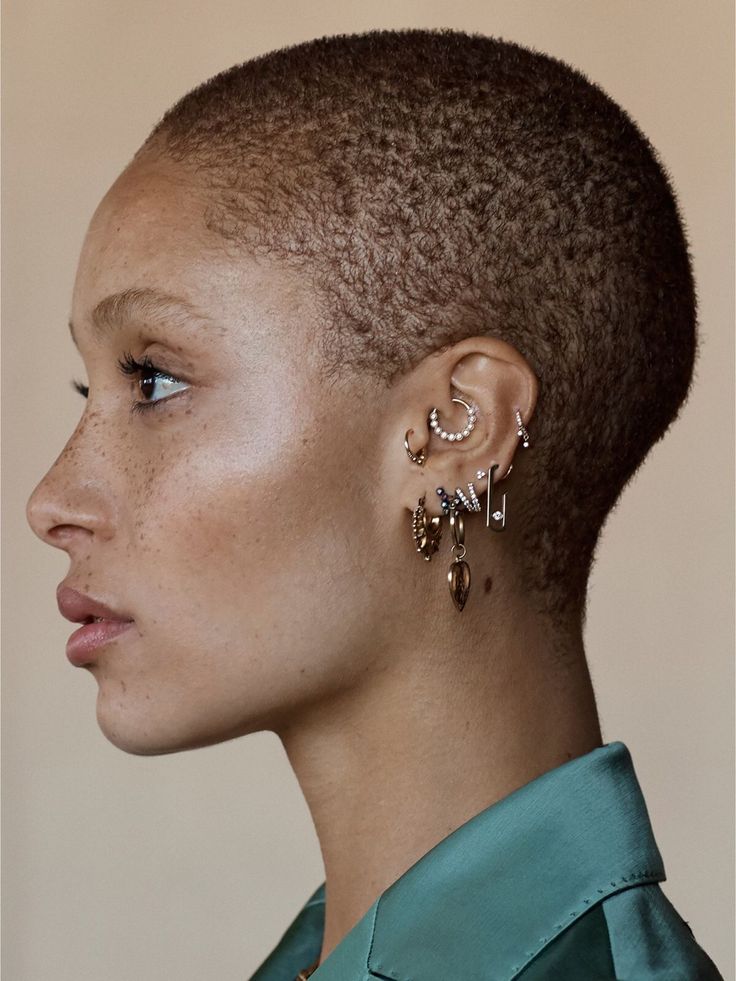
[
  {"x": 149, "y": 222},
  {"x": 149, "y": 232}
]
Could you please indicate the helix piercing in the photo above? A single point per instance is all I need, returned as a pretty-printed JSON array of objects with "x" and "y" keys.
[{"x": 522, "y": 430}]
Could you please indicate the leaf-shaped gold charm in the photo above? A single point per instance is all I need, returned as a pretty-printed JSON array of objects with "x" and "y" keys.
[{"x": 458, "y": 577}]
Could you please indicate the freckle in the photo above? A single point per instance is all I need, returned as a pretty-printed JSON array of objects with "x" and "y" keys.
[{"x": 487, "y": 583}]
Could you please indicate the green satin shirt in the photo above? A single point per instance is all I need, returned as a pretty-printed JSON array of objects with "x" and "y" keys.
[{"x": 559, "y": 880}]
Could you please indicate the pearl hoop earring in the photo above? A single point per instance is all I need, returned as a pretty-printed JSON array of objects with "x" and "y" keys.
[{"x": 434, "y": 423}]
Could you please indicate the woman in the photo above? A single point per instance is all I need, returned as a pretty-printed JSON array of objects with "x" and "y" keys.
[{"x": 342, "y": 292}]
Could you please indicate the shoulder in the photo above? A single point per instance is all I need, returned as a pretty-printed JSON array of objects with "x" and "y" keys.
[{"x": 633, "y": 934}]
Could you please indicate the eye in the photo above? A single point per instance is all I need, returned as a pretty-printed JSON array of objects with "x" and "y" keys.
[{"x": 149, "y": 375}]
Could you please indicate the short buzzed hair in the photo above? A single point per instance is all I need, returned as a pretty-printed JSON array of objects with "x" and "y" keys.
[{"x": 435, "y": 185}]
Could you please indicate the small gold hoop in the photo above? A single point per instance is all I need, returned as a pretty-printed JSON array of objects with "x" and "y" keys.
[{"x": 417, "y": 458}]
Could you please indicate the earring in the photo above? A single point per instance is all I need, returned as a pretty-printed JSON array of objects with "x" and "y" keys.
[
  {"x": 419, "y": 457},
  {"x": 480, "y": 474},
  {"x": 433, "y": 420},
  {"x": 497, "y": 515},
  {"x": 522, "y": 430},
  {"x": 458, "y": 575},
  {"x": 470, "y": 505},
  {"x": 427, "y": 531}
]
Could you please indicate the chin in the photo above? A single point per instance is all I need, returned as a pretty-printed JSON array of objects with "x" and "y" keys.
[{"x": 150, "y": 731}]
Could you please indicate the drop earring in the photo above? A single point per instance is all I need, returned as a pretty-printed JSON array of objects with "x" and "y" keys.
[{"x": 458, "y": 575}]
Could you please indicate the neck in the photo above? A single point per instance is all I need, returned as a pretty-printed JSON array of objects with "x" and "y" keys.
[{"x": 392, "y": 768}]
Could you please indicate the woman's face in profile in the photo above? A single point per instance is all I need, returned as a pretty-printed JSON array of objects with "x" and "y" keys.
[{"x": 214, "y": 511}]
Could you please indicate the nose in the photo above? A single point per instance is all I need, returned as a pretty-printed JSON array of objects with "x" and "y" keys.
[{"x": 69, "y": 504}]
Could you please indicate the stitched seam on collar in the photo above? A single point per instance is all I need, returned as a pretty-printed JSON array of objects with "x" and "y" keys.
[
  {"x": 634, "y": 878},
  {"x": 370, "y": 946}
]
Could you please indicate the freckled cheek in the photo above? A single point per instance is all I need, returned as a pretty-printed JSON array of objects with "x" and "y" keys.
[{"x": 212, "y": 534}]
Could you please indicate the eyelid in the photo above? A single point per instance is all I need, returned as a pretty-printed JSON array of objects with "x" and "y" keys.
[{"x": 145, "y": 368}]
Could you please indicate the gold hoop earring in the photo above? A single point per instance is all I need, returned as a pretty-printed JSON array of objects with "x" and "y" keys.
[
  {"x": 426, "y": 530},
  {"x": 417, "y": 458}
]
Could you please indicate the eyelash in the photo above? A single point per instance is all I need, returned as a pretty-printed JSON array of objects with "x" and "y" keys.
[{"x": 145, "y": 369}]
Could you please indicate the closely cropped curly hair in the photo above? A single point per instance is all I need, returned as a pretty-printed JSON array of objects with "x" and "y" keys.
[{"x": 435, "y": 185}]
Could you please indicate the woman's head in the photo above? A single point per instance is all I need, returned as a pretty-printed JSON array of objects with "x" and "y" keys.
[{"x": 316, "y": 248}]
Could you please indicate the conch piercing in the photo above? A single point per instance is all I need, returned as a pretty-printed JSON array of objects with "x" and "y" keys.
[
  {"x": 433, "y": 420},
  {"x": 419, "y": 457}
]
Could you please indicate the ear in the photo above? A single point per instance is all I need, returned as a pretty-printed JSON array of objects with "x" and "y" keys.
[{"x": 482, "y": 370}]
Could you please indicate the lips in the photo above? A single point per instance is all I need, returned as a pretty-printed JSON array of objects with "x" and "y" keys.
[
  {"x": 102, "y": 623},
  {"x": 83, "y": 608},
  {"x": 87, "y": 639}
]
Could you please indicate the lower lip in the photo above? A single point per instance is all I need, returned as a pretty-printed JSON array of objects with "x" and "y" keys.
[{"x": 83, "y": 642}]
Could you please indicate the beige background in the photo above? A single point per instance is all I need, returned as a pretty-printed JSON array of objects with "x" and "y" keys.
[{"x": 190, "y": 866}]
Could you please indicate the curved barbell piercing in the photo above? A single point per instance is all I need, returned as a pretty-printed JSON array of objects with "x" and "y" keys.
[{"x": 433, "y": 420}]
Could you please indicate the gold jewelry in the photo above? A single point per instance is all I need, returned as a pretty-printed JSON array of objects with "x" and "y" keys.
[
  {"x": 419, "y": 457},
  {"x": 458, "y": 575},
  {"x": 307, "y": 971},
  {"x": 426, "y": 531}
]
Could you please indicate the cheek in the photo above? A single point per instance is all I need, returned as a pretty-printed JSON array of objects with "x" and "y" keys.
[{"x": 250, "y": 594}]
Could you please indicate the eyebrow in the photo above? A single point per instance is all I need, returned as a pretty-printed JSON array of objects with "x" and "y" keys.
[{"x": 138, "y": 305}]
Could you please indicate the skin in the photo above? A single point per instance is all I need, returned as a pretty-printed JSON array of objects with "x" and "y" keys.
[{"x": 257, "y": 527}]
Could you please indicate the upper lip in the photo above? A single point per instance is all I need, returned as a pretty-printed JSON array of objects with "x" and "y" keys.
[{"x": 79, "y": 607}]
